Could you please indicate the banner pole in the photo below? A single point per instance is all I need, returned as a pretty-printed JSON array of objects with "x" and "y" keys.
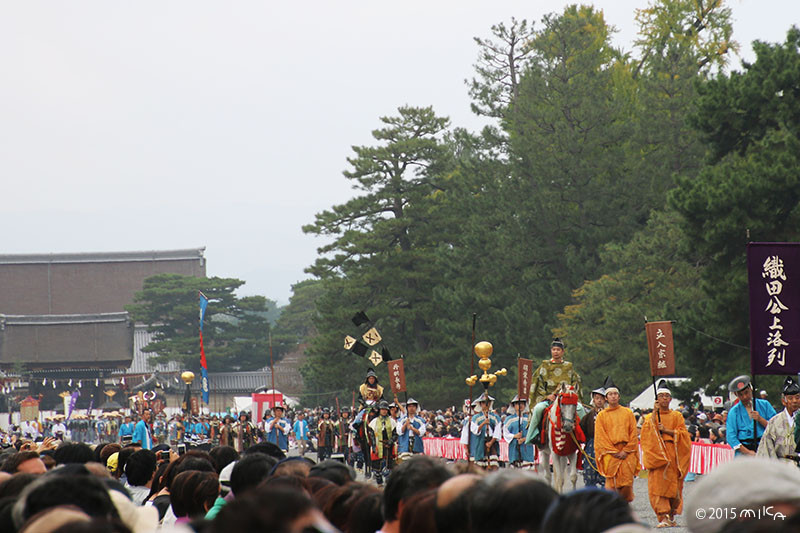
[{"x": 471, "y": 373}]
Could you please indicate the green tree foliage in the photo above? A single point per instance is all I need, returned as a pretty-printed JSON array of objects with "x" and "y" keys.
[
  {"x": 380, "y": 258},
  {"x": 646, "y": 278},
  {"x": 296, "y": 323},
  {"x": 235, "y": 330},
  {"x": 750, "y": 183}
]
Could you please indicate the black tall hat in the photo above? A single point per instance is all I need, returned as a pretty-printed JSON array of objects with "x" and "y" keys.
[
  {"x": 790, "y": 386},
  {"x": 360, "y": 318},
  {"x": 663, "y": 387},
  {"x": 557, "y": 342},
  {"x": 609, "y": 384}
]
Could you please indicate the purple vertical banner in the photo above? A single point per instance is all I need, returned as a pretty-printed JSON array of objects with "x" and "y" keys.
[
  {"x": 773, "y": 271},
  {"x": 72, "y": 401}
]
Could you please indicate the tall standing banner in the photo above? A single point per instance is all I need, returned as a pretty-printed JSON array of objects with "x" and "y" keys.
[
  {"x": 661, "y": 348},
  {"x": 773, "y": 272},
  {"x": 524, "y": 374},
  {"x": 397, "y": 375},
  {"x": 203, "y": 363}
]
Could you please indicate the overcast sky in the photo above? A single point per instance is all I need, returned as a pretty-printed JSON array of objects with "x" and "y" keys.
[{"x": 160, "y": 125}]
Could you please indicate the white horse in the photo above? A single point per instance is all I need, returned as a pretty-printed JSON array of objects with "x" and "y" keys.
[{"x": 561, "y": 446}]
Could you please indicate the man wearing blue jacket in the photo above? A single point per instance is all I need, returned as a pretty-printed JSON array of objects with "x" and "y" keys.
[{"x": 742, "y": 417}]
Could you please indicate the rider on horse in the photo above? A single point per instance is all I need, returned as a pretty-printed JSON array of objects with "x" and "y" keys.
[{"x": 546, "y": 381}]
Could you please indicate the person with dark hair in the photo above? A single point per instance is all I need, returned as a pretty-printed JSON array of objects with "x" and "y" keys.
[
  {"x": 223, "y": 456},
  {"x": 243, "y": 432},
  {"x": 587, "y": 511},
  {"x": 335, "y": 471},
  {"x": 192, "y": 460},
  {"x": 453, "y": 503},
  {"x": 122, "y": 458},
  {"x": 413, "y": 476},
  {"x": 139, "y": 470},
  {"x": 267, "y": 448},
  {"x": 292, "y": 466},
  {"x": 249, "y": 471},
  {"x": 278, "y": 429},
  {"x": 73, "y": 452},
  {"x": 84, "y": 491},
  {"x": 366, "y": 515},
  {"x": 28, "y": 462},
  {"x": 418, "y": 515},
  {"x": 510, "y": 501},
  {"x": 192, "y": 494},
  {"x": 326, "y": 433},
  {"x": 277, "y": 509}
]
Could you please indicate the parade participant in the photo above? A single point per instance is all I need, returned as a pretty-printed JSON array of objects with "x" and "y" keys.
[
  {"x": 361, "y": 438},
  {"x": 325, "y": 436},
  {"x": 520, "y": 455},
  {"x": 278, "y": 428},
  {"x": 226, "y": 431},
  {"x": 465, "y": 424},
  {"x": 739, "y": 426},
  {"x": 410, "y": 430},
  {"x": 666, "y": 453},
  {"x": 778, "y": 440},
  {"x": 616, "y": 444},
  {"x": 546, "y": 380},
  {"x": 160, "y": 429},
  {"x": 300, "y": 430},
  {"x": 344, "y": 434},
  {"x": 486, "y": 430},
  {"x": 126, "y": 429},
  {"x": 591, "y": 477},
  {"x": 383, "y": 428},
  {"x": 214, "y": 430},
  {"x": 243, "y": 432},
  {"x": 370, "y": 391},
  {"x": 202, "y": 430},
  {"x": 59, "y": 430},
  {"x": 142, "y": 432}
]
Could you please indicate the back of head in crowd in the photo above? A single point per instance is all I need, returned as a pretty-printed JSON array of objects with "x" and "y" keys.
[
  {"x": 140, "y": 467},
  {"x": 414, "y": 475},
  {"x": 273, "y": 509},
  {"x": 85, "y": 492},
  {"x": 453, "y": 500},
  {"x": 223, "y": 456},
  {"x": 73, "y": 452},
  {"x": 332, "y": 470},
  {"x": 510, "y": 501},
  {"x": 587, "y": 511},
  {"x": 249, "y": 471},
  {"x": 192, "y": 493}
]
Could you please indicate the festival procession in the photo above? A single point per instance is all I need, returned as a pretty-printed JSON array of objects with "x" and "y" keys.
[{"x": 417, "y": 267}]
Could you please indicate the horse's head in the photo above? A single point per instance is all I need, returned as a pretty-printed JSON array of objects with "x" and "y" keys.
[{"x": 568, "y": 400}]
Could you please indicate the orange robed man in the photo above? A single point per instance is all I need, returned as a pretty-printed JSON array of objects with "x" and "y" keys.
[
  {"x": 616, "y": 444},
  {"x": 666, "y": 453}
]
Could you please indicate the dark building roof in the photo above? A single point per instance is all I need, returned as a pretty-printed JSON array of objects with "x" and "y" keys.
[
  {"x": 233, "y": 382},
  {"x": 44, "y": 284},
  {"x": 53, "y": 342}
]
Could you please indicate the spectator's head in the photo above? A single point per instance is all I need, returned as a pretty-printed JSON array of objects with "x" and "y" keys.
[
  {"x": 292, "y": 466},
  {"x": 412, "y": 476},
  {"x": 366, "y": 515},
  {"x": 510, "y": 501},
  {"x": 587, "y": 511},
  {"x": 27, "y": 462},
  {"x": 84, "y": 491},
  {"x": 223, "y": 456},
  {"x": 193, "y": 493},
  {"x": 453, "y": 503},
  {"x": 335, "y": 471},
  {"x": 249, "y": 471},
  {"x": 770, "y": 483},
  {"x": 279, "y": 509},
  {"x": 140, "y": 467},
  {"x": 73, "y": 452},
  {"x": 267, "y": 448},
  {"x": 419, "y": 513}
]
